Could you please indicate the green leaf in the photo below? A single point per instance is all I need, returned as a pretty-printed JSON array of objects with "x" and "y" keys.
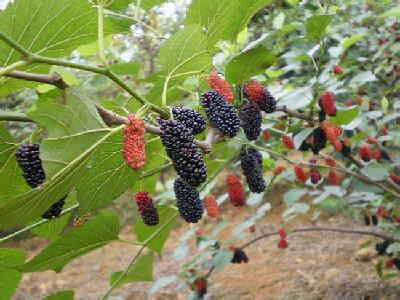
[
  {"x": 10, "y": 261},
  {"x": 345, "y": 116},
  {"x": 167, "y": 218},
  {"x": 293, "y": 195},
  {"x": 393, "y": 12},
  {"x": 316, "y": 26},
  {"x": 361, "y": 78},
  {"x": 52, "y": 229},
  {"x": 297, "y": 208},
  {"x": 63, "y": 295},
  {"x": 142, "y": 271},
  {"x": 223, "y": 19},
  {"x": 96, "y": 233},
  {"x": 376, "y": 171},
  {"x": 351, "y": 40},
  {"x": 248, "y": 64},
  {"x": 131, "y": 68},
  {"x": 46, "y": 27},
  {"x": 185, "y": 54},
  {"x": 278, "y": 21},
  {"x": 223, "y": 258},
  {"x": 148, "y": 4},
  {"x": 119, "y": 4},
  {"x": 107, "y": 175}
]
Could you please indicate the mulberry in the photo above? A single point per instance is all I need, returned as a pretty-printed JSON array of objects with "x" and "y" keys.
[
  {"x": 239, "y": 256},
  {"x": 283, "y": 244},
  {"x": 318, "y": 140},
  {"x": 382, "y": 247},
  {"x": 365, "y": 153},
  {"x": 200, "y": 286},
  {"x": 396, "y": 262},
  {"x": 376, "y": 155},
  {"x": 346, "y": 149},
  {"x": 367, "y": 220},
  {"x": 282, "y": 233},
  {"x": 330, "y": 161},
  {"x": 220, "y": 113},
  {"x": 251, "y": 121},
  {"x": 337, "y": 70},
  {"x": 179, "y": 144},
  {"x": 374, "y": 220},
  {"x": 333, "y": 178},
  {"x": 278, "y": 170},
  {"x": 188, "y": 201},
  {"x": 134, "y": 150},
  {"x": 235, "y": 190},
  {"x": 327, "y": 103},
  {"x": 288, "y": 141},
  {"x": 146, "y": 208},
  {"x": 315, "y": 176},
  {"x": 29, "y": 161},
  {"x": 251, "y": 162},
  {"x": 266, "y": 135},
  {"x": 55, "y": 210},
  {"x": 190, "y": 118},
  {"x": 395, "y": 178},
  {"x": 219, "y": 85},
  {"x": 321, "y": 116},
  {"x": 347, "y": 103},
  {"x": 211, "y": 206},
  {"x": 261, "y": 96},
  {"x": 371, "y": 140},
  {"x": 301, "y": 175}
]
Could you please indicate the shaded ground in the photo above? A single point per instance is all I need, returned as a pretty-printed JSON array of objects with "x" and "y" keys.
[{"x": 315, "y": 266}]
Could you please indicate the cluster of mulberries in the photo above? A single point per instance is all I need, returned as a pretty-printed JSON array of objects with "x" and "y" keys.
[
  {"x": 190, "y": 118},
  {"x": 251, "y": 118},
  {"x": 327, "y": 103},
  {"x": 134, "y": 150},
  {"x": 219, "y": 85},
  {"x": 211, "y": 206},
  {"x": 55, "y": 210},
  {"x": 235, "y": 190},
  {"x": 146, "y": 208},
  {"x": 239, "y": 256},
  {"x": 332, "y": 134},
  {"x": 188, "y": 201},
  {"x": 282, "y": 244},
  {"x": 261, "y": 96},
  {"x": 220, "y": 113},
  {"x": 30, "y": 163},
  {"x": 318, "y": 140},
  {"x": 251, "y": 162},
  {"x": 179, "y": 144}
]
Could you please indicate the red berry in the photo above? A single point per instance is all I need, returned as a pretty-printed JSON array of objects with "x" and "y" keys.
[
  {"x": 252, "y": 228},
  {"x": 200, "y": 286},
  {"x": 359, "y": 100},
  {"x": 278, "y": 170},
  {"x": 372, "y": 141},
  {"x": 330, "y": 135},
  {"x": 254, "y": 90},
  {"x": 338, "y": 146},
  {"x": 232, "y": 248},
  {"x": 315, "y": 176},
  {"x": 330, "y": 161},
  {"x": 380, "y": 212},
  {"x": 219, "y": 85},
  {"x": 365, "y": 152},
  {"x": 266, "y": 135},
  {"x": 395, "y": 179},
  {"x": 337, "y": 70},
  {"x": 384, "y": 130},
  {"x": 288, "y": 141},
  {"x": 333, "y": 178},
  {"x": 211, "y": 206},
  {"x": 235, "y": 190},
  {"x": 327, "y": 103},
  {"x": 146, "y": 208},
  {"x": 376, "y": 155},
  {"x": 198, "y": 232},
  {"x": 134, "y": 150},
  {"x": 347, "y": 103},
  {"x": 301, "y": 175},
  {"x": 282, "y": 233},
  {"x": 346, "y": 141},
  {"x": 389, "y": 264},
  {"x": 283, "y": 244}
]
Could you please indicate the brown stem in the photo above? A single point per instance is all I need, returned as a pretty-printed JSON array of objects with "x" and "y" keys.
[
  {"x": 52, "y": 78},
  {"x": 296, "y": 114}
]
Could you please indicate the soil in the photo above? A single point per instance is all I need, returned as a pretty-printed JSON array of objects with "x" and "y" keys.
[{"x": 315, "y": 266}]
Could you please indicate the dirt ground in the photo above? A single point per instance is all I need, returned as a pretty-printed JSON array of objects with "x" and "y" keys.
[{"x": 315, "y": 266}]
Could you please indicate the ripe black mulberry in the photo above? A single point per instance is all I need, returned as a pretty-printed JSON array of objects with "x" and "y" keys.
[
  {"x": 251, "y": 162},
  {"x": 190, "y": 118},
  {"x": 55, "y": 210},
  {"x": 188, "y": 201},
  {"x": 251, "y": 121},
  {"x": 30, "y": 163}
]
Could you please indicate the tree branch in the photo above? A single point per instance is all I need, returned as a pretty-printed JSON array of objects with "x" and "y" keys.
[
  {"x": 295, "y": 114},
  {"x": 52, "y": 78}
]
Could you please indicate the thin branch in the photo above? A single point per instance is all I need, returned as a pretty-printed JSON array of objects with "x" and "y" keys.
[
  {"x": 52, "y": 78},
  {"x": 295, "y": 114}
]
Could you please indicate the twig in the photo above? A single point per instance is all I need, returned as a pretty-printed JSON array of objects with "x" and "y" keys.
[
  {"x": 296, "y": 114},
  {"x": 52, "y": 78}
]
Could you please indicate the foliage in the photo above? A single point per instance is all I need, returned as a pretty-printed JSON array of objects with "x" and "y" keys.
[{"x": 87, "y": 65}]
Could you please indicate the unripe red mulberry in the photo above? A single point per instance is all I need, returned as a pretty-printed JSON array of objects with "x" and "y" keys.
[
  {"x": 188, "y": 201},
  {"x": 315, "y": 176},
  {"x": 235, "y": 190},
  {"x": 254, "y": 90},
  {"x": 333, "y": 178},
  {"x": 55, "y": 210},
  {"x": 384, "y": 131},
  {"x": 327, "y": 103},
  {"x": 338, "y": 146},
  {"x": 288, "y": 141},
  {"x": 301, "y": 175},
  {"x": 211, "y": 206},
  {"x": 200, "y": 287},
  {"x": 266, "y": 135},
  {"x": 365, "y": 152},
  {"x": 219, "y": 85},
  {"x": 146, "y": 208},
  {"x": 376, "y": 155},
  {"x": 29, "y": 161},
  {"x": 283, "y": 244},
  {"x": 347, "y": 103},
  {"x": 251, "y": 163},
  {"x": 239, "y": 256},
  {"x": 337, "y": 70},
  {"x": 371, "y": 140},
  {"x": 395, "y": 178},
  {"x": 220, "y": 113},
  {"x": 330, "y": 161},
  {"x": 261, "y": 96},
  {"x": 282, "y": 233},
  {"x": 251, "y": 118},
  {"x": 134, "y": 144},
  {"x": 278, "y": 170},
  {"x": 359, "y": 100}
]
